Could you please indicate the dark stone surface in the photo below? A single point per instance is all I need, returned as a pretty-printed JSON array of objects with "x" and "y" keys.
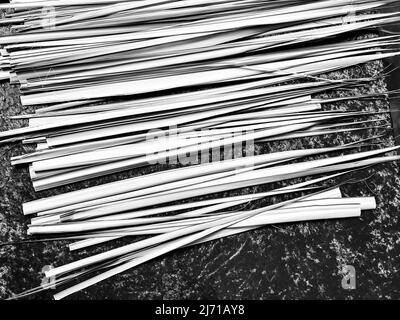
[{"x": 292, "y": 261}]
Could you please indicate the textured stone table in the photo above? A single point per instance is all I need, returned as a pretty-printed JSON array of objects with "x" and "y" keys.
[{"x": 292, "y": 261}]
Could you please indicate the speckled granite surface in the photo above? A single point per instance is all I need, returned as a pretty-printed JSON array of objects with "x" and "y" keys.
[{"x": 293, "y": 261}]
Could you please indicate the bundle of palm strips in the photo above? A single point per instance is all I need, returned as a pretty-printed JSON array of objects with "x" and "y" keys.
[{"x": 118, "y": 85}]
